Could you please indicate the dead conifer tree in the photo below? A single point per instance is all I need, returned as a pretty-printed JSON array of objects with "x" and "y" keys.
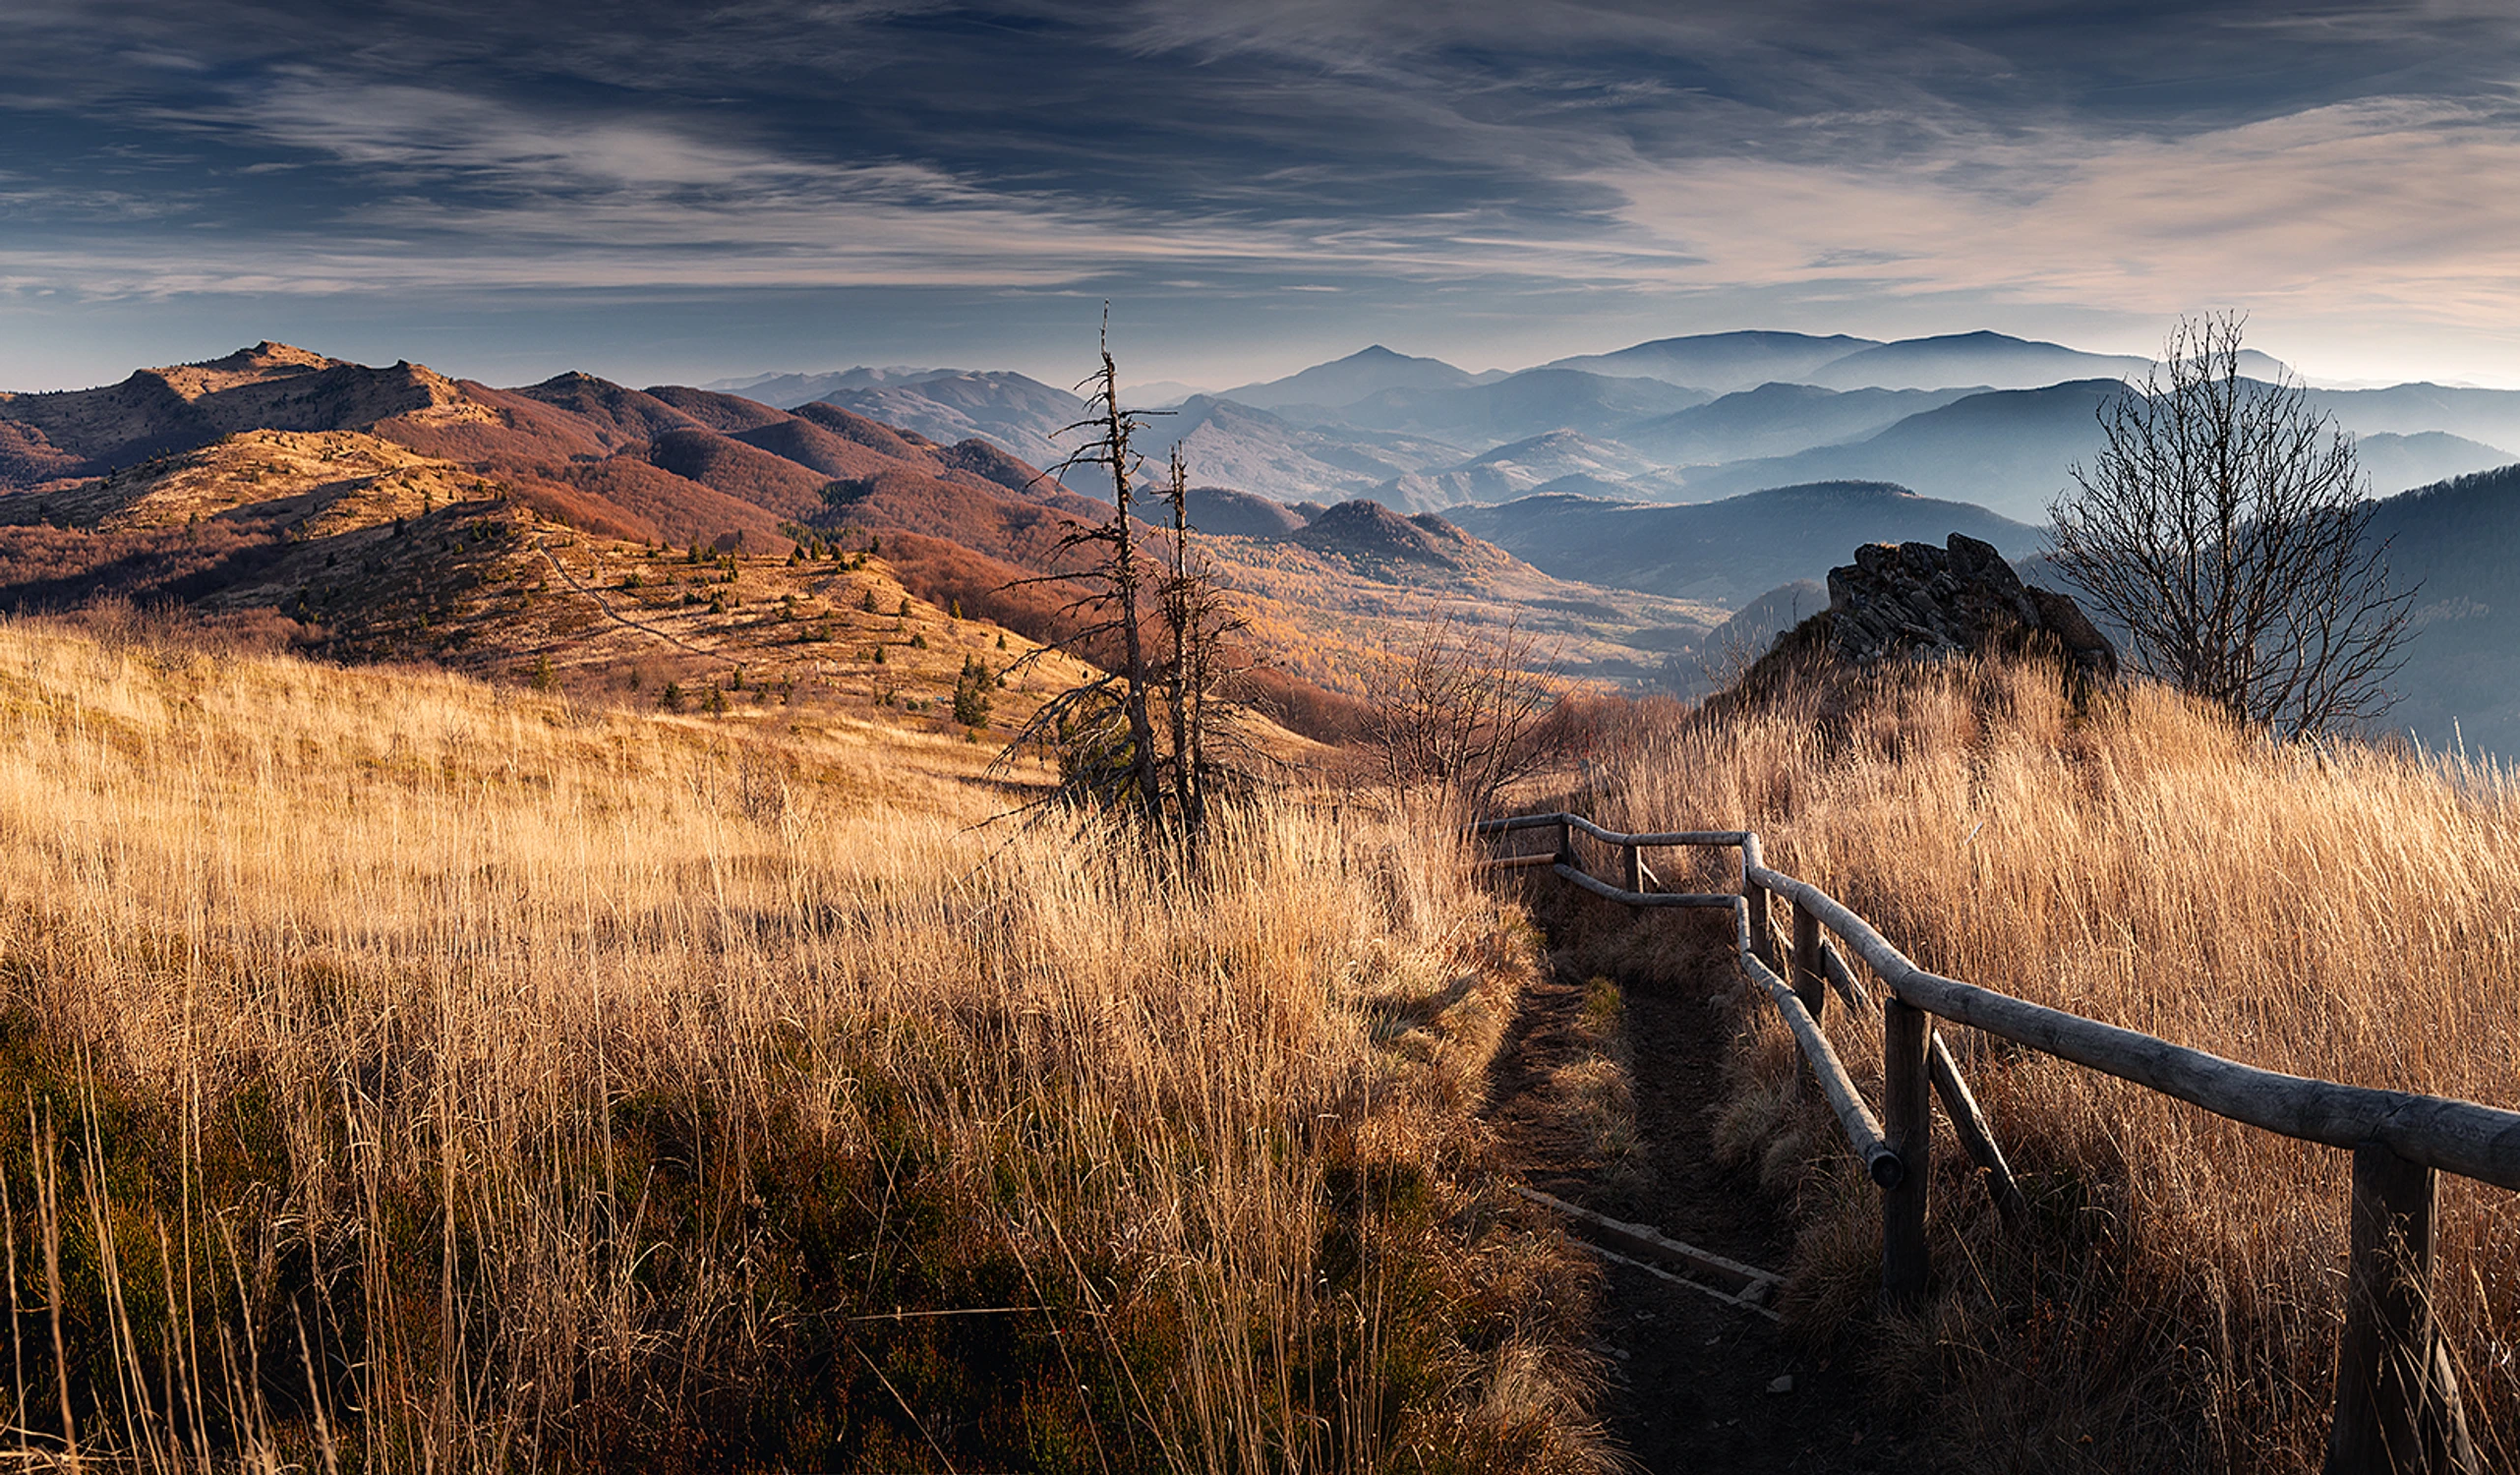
[
  {"x": 1199, "y": 625},
  {"x": 1105, "y": 727}
]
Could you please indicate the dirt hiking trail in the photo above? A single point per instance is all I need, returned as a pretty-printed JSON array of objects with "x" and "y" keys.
[{"x": 1697, "y": 1385}]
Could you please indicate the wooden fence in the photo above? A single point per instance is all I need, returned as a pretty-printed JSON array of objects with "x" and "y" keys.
[{"x": 2398, "y": 1405}]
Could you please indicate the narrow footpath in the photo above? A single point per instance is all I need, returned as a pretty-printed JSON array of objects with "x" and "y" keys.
[{"x": 1699, "y": 1385}]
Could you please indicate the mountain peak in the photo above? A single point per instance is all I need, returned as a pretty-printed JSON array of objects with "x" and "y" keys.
[
  {"x": 1343, "y": 382},
  {"x": 268, "y": 355}
]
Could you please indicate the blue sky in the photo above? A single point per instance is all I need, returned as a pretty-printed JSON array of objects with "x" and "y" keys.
[{"x": 681, "y": 192}]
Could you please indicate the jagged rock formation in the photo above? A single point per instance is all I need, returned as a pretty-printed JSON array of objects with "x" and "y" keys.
[{"x": 1916, "y": 600}]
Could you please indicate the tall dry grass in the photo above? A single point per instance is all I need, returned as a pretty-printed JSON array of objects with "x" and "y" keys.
[
  {"x": 2343, "y": 911},
  {"x": 399, "y": 1074}
]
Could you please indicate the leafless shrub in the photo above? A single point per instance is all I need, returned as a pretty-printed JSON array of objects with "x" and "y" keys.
[
  {"x": 1463, "y": 709},
  {"x": 2223, "y": 524}
]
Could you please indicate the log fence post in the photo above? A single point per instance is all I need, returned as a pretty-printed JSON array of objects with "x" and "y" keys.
[
  {"x": 1810, "y": 978},
  {"x": 2398, "y": 1408},
  {"x": 1756, "y": 895},
  {"x": 1633, "y": 875},
  {"x": 1565, "y": 842},
  {"x": 1908, "y": 1120}
]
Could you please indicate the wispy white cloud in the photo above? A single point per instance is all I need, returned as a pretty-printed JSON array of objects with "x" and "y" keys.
[
  {"x": 2375, "y": 205},
  {"x": 2358, "y": 209}
]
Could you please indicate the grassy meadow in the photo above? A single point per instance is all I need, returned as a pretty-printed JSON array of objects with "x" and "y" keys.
[
  {"x": 2348, "y": 911},
  {"x": 398, "y": 1072}
]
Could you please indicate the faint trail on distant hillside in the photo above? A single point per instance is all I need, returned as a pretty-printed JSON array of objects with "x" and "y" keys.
[{"x": 606, "y": 605}]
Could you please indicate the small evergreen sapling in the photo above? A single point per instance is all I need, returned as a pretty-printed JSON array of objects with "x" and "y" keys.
[{"x": 971, "y": 694}]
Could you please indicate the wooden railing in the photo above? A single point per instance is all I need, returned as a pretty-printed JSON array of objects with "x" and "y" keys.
[{"x": 2398, "y": 1406}]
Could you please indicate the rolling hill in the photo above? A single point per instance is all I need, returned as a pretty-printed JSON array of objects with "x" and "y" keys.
[
  {"x": 1729, "y": 552},
  {"x": 1530, "y": 403},
  {"x": 398, "y": 512},
  {"x": 1021, "y": 416},
  {"x": 2456, "y": 544},
  {"x": 1776, "y": 420},
  {"x": 1516, "y": 470},
  {"x": 2396, "y": 463},
  {"x": 1720, "y": 363},
  {"x": 354, "y": 548},
  {"x": 2007, "y": 451},
  {"x": 1237, "y": 446},
  {"x": 2491, "y": 416},
  {"x": 1983, "y": 359}
]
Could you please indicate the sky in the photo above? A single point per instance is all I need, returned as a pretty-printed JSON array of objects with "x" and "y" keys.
[{"x": 681, "y": 192}]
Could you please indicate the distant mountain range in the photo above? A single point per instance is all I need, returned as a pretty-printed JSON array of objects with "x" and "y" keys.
[
  {"x": 1627, "y": 501},
  {"x": 1978, "y": 416},
  {"x": 170, "y": 485}
]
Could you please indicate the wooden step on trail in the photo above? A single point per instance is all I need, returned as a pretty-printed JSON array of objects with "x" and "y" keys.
[{"x": 1728, "y": 1281}]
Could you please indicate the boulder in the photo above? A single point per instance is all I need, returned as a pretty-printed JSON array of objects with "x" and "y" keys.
[{"x": 1918, "y": 601}]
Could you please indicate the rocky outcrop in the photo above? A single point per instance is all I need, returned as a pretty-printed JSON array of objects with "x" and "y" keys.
[{"x": 1916, "y": 600}]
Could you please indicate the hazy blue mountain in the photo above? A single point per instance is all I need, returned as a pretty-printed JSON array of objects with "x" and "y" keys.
[
  {"x": 1720, "y": 363},
  {"x": 1776, "y": 420},
  {"x": 1514, "y": 470},
  {"x": 2398, "y": 463},
  {"x": 2006, "y": 451},
  {"x": 2454, "y": 544},
  {"x": 2491, "y": 416},
  {"x": 1521, "y": 405},
  {"x": 1993, "y": 361},
  {"x": 1018, "y": 414},
  {"x": 1985, "y": 360},
  {"x": 788, "y": 390},
  {"x": 2457, "y": 544},
  {"x": 1162, "y": 393},
  {"x": 1727, "y": 551},
  {"x": 1344, "y": 381},
  {"x": 2012, "y": 450},
  {"x": 1233, "y": 445}
]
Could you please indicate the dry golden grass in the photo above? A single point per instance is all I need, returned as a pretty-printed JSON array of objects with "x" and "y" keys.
[
  {"x": 2342, "y": 912},
  {"x": 411, "y": 1073}
]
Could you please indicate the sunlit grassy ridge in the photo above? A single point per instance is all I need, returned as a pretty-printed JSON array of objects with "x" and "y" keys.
[
  {"x": 2342, "y": 912},
  {"x": 410, "y": 1074}
]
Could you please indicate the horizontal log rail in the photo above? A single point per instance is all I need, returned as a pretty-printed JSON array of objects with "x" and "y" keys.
[
  {"x": 1600, "y": 888},
  {"x": 2398, "y": 1406},
  {"x": 1610, "y": 836},
  {"x": 1863, "y": 1130},
  {"x": 2440, "y": 1131}
]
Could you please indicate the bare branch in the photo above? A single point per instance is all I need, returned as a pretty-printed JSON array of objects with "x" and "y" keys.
[{"x": 2224, "y": 524}]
